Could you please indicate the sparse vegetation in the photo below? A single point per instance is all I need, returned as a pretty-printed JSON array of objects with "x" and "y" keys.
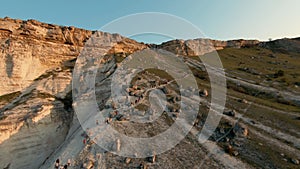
[
  {"x": 9, "y": 97},
  {"x": 279, "y": 73}
]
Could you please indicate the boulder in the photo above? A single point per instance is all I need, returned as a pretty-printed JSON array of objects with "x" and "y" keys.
[
  {"x": 152, "y": 159},
  {"x": 127, "y": 160},
  {"x": 229, "y": 149},
  {"x": 295, "y": 161},
  {"x": 243, "y": 101},
  {"x": 235, "y": 153},
  {"x": 165, "y": 90},
  {"x": 230, "y": 113},
  {"x": 240, "y": 130},
  {"x": 203, "y": 93}
]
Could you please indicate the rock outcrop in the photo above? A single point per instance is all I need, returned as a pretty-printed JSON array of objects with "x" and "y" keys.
[
  {"x": 29, "y": 48},
  {"x": 283, "y": 45},
  {"x": 197, "y": 47}
]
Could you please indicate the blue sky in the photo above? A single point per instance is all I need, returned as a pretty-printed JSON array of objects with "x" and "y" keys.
[{"x": 230, "y": 19}]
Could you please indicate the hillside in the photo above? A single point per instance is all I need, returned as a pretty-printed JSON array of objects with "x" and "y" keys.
[{"x": 259, "y": 128}]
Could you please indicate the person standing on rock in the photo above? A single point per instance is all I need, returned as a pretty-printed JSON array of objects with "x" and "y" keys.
[{"x": 57, "y": 163}]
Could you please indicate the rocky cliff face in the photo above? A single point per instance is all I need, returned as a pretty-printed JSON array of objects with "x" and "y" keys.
[
  {"x": 35, "y": 87},
  {"x": 29, "y": 48},
  {"x": 36, "y": 121}
]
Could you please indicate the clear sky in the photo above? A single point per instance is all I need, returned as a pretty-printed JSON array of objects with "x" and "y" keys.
[{"x": 222, "y": 19}]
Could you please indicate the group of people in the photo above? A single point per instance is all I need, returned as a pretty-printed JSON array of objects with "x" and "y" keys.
[
  {"x": 86, "y": 139},
  {"x": 61, "y": 166}
]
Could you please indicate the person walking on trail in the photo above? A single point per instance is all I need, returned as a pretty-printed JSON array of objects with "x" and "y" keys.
[
  {"x": 57, "y": 163},
  {"x": 69, "y": 162},
  {"x": 84, "y": 141}
]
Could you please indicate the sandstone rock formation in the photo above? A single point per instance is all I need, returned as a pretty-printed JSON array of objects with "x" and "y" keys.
[
  {"x": 36, "y": 122},
  {"x": 29, "y": 48}
]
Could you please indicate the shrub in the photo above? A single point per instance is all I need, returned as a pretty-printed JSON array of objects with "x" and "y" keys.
[{"x": 280, "y": 73}]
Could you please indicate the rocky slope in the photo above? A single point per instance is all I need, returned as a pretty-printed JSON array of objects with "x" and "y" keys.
[
  {"x": 38, "y": 124},
  {"x": 191, "y": 47}
]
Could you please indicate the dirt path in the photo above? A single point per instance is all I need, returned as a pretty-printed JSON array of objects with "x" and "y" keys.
[{"x": 269, "y": 108}]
